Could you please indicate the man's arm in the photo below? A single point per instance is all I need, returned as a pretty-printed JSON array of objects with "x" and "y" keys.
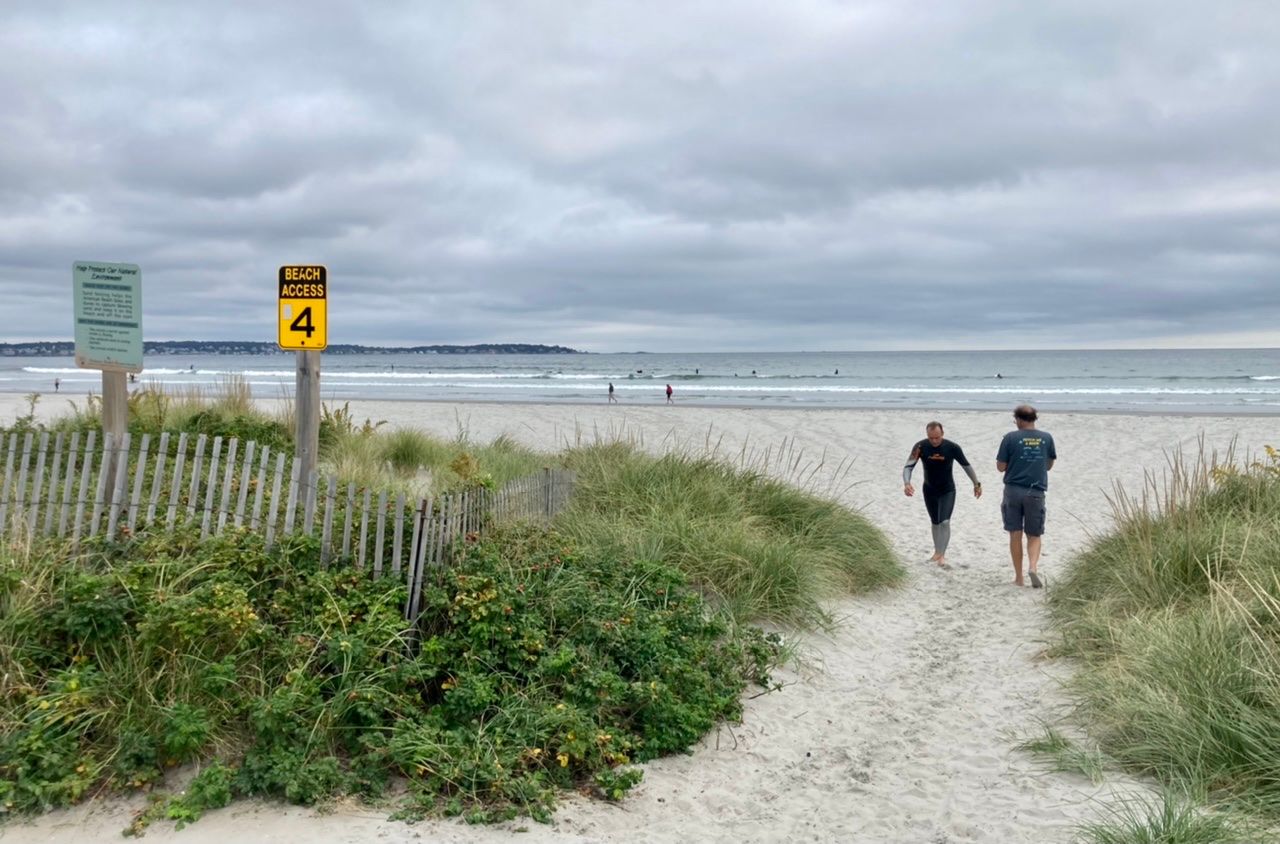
[
  {"x": 907, "y": 488},
  {"x": 1001, "y": 466},
  {"x": 1049, "y": 465}
]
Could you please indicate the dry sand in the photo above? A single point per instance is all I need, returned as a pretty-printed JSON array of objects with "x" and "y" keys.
[{"x": 902, "y": 725}]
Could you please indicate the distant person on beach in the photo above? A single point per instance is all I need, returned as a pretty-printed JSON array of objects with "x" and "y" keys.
[
  {"x": 669, "y": 392},
  {"x": 57, "y": 383},
  {"x": 1025, "y": 456},
  {"x": 939, "y": 455},
  {"x": 612, "y": 398}
]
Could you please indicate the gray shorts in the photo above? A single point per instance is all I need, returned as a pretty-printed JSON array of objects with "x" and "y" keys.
[{"x": 1023, "y": 509}]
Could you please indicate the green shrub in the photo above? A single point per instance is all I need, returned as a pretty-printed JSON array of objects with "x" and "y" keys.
[{"x": 536, "y": 669}]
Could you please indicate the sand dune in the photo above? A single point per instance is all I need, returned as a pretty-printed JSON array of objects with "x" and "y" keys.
[{"x": 901, "y": 725}]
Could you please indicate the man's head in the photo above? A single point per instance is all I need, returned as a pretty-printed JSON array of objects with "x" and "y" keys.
[
  {"x": 934, "y": 432},
  {"x": 1025, "y": 415}
]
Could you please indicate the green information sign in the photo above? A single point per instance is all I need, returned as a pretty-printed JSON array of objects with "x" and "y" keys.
[{"x": 108, "y": 303}]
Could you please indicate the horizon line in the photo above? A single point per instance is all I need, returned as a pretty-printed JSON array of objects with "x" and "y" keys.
[{"x": 965, "y": 350}]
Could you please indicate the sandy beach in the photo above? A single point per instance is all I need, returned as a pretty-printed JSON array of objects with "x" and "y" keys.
[{"x": 900, "y": 726}]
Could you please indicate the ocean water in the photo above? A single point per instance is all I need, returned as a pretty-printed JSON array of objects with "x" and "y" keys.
[{"x": 1199, "y": 380}]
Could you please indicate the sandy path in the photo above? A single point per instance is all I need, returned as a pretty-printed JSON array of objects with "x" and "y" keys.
[{"x": 901, "y": 726}]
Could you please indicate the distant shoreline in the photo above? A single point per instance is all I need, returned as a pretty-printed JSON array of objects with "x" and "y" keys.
[{"x": 66, "y": 348}]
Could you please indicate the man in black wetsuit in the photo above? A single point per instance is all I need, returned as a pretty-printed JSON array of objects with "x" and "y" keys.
[{"x": 938, "y": 455}]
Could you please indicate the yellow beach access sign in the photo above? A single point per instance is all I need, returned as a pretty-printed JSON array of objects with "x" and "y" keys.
[{"x": 303, "y": 309}]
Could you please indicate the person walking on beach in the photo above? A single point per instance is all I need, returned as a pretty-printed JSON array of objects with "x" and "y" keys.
[
  {"x": 669, "y": 392},
  {"x": 939, "y": 455},
  {"x": 612, "y": 398},
  {"x": 57, "y": 383},
  {"x": 1025, "y": 456}
]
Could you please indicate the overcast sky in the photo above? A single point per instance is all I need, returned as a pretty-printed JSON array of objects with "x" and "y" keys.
[{"x": 663, "y": 176}]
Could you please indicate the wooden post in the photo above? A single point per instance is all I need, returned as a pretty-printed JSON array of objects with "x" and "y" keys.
[
  {"x": 307, "y": 411},
  {"x": 115, "y": 418}
]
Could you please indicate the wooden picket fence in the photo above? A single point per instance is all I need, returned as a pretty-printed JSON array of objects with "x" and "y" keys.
[{"x": 77, "y": 486}]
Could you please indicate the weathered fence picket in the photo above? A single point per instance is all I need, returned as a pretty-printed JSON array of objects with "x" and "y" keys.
[
  {"x": 381, "y": 533},
  {"x": 135, "y": 500},
  {"x": 398, "y": 535},
  {"x": 364, "y": 530},
  {"x": 224, "y": 503},
  {"x": 326, "y": 534},
  {"x": 68, "y": 484},
  {"x": 243, "y": 497},
  {"x": 275, "y": 501},
  {"x": 37, "y": 485},
  {"x": 119, "y": 483},
  {"x": 259, "y": 487},
  {"x": 81, "y": 499},
  {"x": 157, "y": 478}
]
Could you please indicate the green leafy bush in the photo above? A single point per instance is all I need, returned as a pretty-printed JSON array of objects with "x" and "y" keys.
[{"x": 535, "y": 669}]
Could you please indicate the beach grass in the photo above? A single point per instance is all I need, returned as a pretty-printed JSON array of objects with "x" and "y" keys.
[
  {"x": 1064, "y": 755},
  {"x": 760, "y": 548},
  {"x": 1174, "y": 616},
  {"x": 1167, "y": 819}
]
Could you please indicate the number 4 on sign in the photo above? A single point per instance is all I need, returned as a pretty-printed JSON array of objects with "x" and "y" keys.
[{"x": 303, "y": 323}]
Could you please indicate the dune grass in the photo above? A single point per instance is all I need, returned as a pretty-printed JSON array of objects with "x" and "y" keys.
[
  {"x": 226, "y": 409},
  {"x": 1064, "y": 755},
  {"x": 1175, "y": 617},
  {"x": 422, "y": 464},
  {"x": 1169, "y": 819},
  {"x": 762, "y": 549}
]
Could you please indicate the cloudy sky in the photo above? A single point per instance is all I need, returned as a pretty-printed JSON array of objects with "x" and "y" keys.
[{"x": 687, "y": 176}]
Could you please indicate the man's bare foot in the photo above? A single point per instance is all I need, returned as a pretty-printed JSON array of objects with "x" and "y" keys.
[
  {"x": 942, "y": 562},
  {"x": 1018, "y": 582},
  {"x": 935, "y": 558}
]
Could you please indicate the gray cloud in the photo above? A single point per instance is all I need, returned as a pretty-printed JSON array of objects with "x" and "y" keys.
[{"x": 619, "y": 176}]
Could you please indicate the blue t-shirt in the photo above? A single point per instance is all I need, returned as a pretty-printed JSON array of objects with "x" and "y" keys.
[{"x": 1027, "y": 454}]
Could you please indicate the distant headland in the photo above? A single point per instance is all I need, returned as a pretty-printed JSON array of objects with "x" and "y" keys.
[{"x": 54, "y": 348}]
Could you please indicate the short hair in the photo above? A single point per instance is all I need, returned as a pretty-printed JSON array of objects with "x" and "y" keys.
[
  {"x": 932, "y": 425},
  {"x": 1026, "y": 413}
]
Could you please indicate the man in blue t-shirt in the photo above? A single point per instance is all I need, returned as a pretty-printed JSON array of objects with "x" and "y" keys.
[{"x": 1025, "y": 456}]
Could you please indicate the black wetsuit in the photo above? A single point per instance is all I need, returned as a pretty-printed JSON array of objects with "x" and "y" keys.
[{"x": 939, "y": 486}]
